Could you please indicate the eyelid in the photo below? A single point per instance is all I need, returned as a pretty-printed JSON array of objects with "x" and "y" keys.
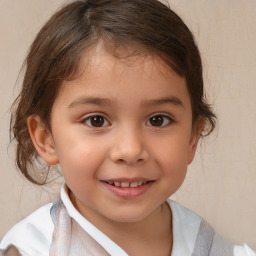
[
  {"x": 88, "y": 116},
  {"x": 162, "y": 114}
]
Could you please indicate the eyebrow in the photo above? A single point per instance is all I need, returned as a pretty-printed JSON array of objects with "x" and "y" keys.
[
  {"x": 90, "y": 100},
  {"x": 105, "y": 101},
  {"x": 166, "y": 100}
]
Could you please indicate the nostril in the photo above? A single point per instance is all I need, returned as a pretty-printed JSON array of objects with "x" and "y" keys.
[{"x": 120, "y": 161}]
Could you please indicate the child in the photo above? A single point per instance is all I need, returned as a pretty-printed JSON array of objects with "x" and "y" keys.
[{"x": 113, "y": 93}]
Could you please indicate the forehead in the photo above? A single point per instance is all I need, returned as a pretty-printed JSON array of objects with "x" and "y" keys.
[
  {"x": 127, "y": 54},
  {"x": 132, "y": 58},
  {"x": 140, "y": 76}
]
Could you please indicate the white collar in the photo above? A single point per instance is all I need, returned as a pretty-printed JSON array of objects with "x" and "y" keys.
[
  {"x": 185, "y": 228},
  {"x": 111, "y": 247}
]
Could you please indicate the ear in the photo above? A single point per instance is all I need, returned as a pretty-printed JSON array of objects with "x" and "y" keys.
[
  {"x": 42, "y": 139},
  {"x": 195, "y": 136}
]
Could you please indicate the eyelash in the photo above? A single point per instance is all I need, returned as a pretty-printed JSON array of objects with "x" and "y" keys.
[
  {"x": 90, "y": 119},
  {"x": 166, "y": 120}
]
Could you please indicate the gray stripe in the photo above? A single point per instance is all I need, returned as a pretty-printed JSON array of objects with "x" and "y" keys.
[
  {"x": 221, "y": 247},
  {"x": 204, "y": 240},
  {"x": 208, "y": 243}
]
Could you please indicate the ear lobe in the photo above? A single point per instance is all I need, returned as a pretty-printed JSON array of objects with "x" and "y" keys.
[
  {"x": 42, "y": 140},
  {"x": 195, "y": 136}
]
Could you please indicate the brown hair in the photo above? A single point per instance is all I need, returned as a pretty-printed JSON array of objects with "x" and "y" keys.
[{"x": 55, "y": 53}]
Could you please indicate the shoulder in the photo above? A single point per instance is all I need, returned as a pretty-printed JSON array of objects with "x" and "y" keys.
[
  {"x": 211, "y": 242},
  {"x": 32, "y": 235},
  {"x": 194, "y": 236}
]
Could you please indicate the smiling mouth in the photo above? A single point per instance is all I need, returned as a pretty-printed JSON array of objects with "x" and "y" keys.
[{"x": 126, "y": 184}]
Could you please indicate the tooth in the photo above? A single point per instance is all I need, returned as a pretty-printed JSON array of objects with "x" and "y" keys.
[
  {"x": 110, "y": 182},
  {"x": 125, "y": 184},
  {"x": 144, "y": 182},
  {"x": 139, "y": 183},
  {"x": 134, "y": 184},
  {"x": 117, "y": 183}
]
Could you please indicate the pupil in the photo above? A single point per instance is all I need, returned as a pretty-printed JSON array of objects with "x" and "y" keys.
[
  {"x": 156, "y": 120},
  {"x": 97, "y": 121}
]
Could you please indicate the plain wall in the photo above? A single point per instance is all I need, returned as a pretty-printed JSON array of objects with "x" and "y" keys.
[{"x": 221, "y": 182}]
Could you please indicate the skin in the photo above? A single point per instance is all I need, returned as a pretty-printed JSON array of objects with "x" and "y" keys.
[
  {"x": 10, "y": 251},
  {"x": 128, "y": 145}
]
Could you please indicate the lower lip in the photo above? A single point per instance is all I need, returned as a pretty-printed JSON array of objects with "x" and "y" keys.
[{"x": 129, "y": 193}]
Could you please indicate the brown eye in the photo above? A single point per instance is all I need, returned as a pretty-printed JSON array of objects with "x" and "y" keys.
[
  {"x": 97, "y": 121},
  {"x": 156, "y": 120},
  {"x": 159, "y": 121}
]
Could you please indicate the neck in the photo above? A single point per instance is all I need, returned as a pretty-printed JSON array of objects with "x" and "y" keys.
[{"x": 150, "y": 236}]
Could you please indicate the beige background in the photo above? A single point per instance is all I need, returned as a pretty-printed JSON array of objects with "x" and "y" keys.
[{"x": 221, "y": 183}]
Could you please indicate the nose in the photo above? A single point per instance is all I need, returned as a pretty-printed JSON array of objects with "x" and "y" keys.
[{"x": 129, "y": 147}]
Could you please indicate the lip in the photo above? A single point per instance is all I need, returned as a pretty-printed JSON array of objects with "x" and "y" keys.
[{"x": 129, "y": 192}]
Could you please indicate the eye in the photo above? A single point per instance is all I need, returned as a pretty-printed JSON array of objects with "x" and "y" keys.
[
  {"x": 159, "y": 121},
  {"x": 96, "y": 121}
]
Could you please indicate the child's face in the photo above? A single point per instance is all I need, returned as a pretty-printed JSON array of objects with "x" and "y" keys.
[{"x": 126, "y": 123}]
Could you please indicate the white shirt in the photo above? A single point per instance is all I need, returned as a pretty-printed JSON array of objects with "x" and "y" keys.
[{"x": 33, "y": 235}]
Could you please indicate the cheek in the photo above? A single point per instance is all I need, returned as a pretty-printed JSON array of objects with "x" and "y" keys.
[
  {"x": 80, "y": 159},
  {"x": 173, "y": 150},
  {"x": 174, "y": 170},
  {"x": 80, "y": 167},
  {"x": 172, "y": 157}
]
